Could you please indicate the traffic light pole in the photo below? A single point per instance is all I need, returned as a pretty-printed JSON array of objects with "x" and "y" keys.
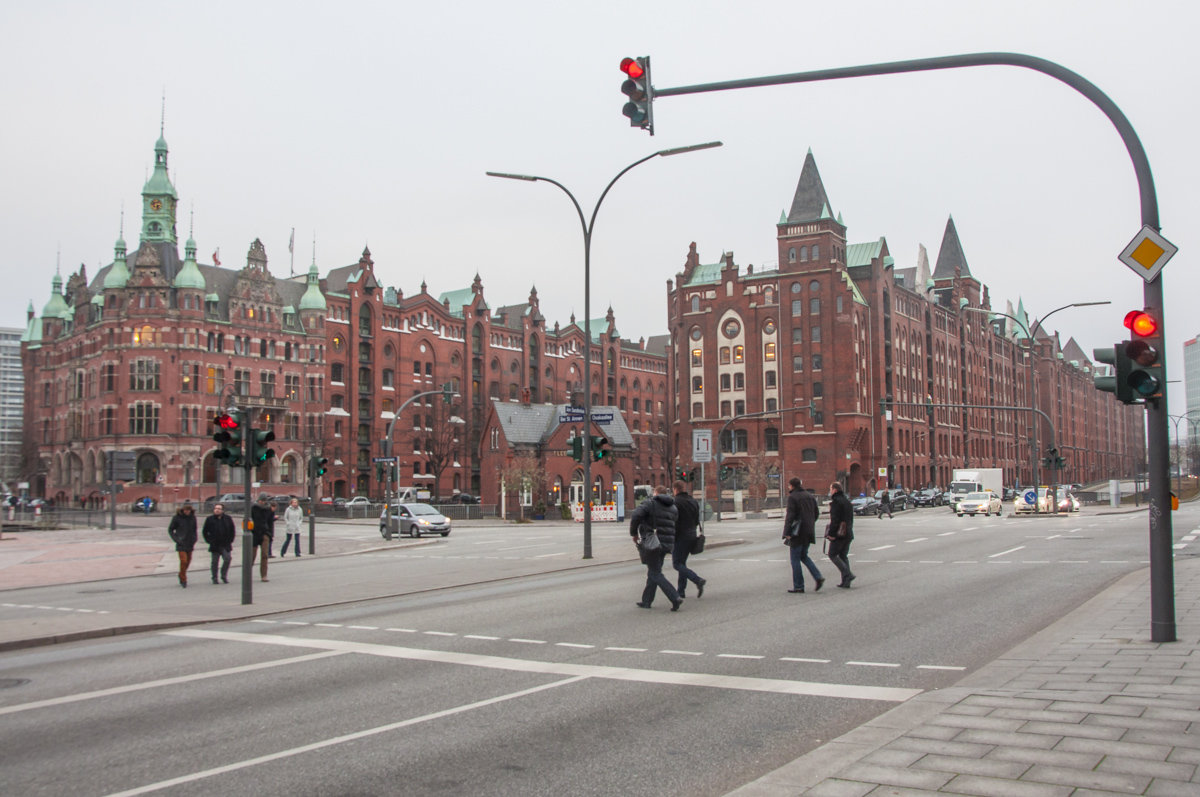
[
  {"x": 247, "y": 523},
  {"x": 1162, "y": 577},
  {"x": 588, "y": 227}
]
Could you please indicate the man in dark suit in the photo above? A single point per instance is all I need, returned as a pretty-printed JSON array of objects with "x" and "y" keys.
[
  {"x": 799, "y": 532},
  {"x": 841, "y": 532},
  {"x": 685, "y": 537},
  {"x": 219, "y": 533}
]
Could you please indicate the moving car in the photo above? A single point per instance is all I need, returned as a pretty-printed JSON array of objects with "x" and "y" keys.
[
  {"x": 415, "y": 519},
  {"x": 864, "y": 505},
  {"x": 974, "y": 503},
  {"x": 930, "y": 496},
  {"x": 900, "y": 499}
]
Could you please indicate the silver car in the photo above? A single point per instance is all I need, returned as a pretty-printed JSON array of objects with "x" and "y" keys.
[
  {"x": 975, "y": 503},
  {"x": 414, "y": 520}
]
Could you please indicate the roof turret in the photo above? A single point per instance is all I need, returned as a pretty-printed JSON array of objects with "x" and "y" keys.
[
  {"x": 313, "y": 299},
  {"x": 57, "y": 306},
  {"x": 189, "y": 275}
]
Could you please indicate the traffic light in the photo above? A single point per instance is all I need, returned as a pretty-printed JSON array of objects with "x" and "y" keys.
[
  {"x": 637, "y": 88},
  {"x": 447, "y": 392},
  {"x": 600, "y": 448},
  {"x": 577, "y": 449},
  {"x": 1118, "y": 382},
  {"x": 316, "y": 467},
  {"x": 259, "y": 451},
  {"x": 1144, "y": 354},
  {"x": 228, "y": 437},
  {"x": 724, "y": 473}
]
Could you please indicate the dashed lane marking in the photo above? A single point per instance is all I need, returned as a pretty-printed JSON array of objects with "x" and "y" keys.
[
  {"x": 872, "y": 664},
  {"x": 1006, "y": 553}
]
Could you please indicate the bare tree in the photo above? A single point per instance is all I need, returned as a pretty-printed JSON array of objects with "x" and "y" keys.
[
  {"x": 758, "y": 469},
  {"x": 442, "y": 444},
  {"x": 523, "y": 469}
]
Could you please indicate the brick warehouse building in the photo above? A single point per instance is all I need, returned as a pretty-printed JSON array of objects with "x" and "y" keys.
[
  {"x": 821, "y": 339},
  {"x": 140, "y": 357}
]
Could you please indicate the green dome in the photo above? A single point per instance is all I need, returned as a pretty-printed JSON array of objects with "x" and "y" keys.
[
  {"x": 189, "y": 275},
  {"x": 313, "y": 299},
  {"x": 57, "y": 306}
]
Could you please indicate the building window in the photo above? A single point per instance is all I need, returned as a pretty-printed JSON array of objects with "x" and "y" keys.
[
  {"x": 739, "y": 407},
  {"x": 739, "y": 381},
  {"x": 816, "y": 362},
  {"x": 697, "y": 357},
  {"x": 697, "y": 384},
  {"x": 191, "y": 378},
  {"x": 147, "y": 468},
  {"x": 143, "y": 418},
  {"x": 792, "y": 254},
  {"x": 143, "y": 375},
  {"x": 724, "y": 382},
  {"x": 803, "y": 253},
  {"x": 214, "y": 380},
  {"x": 695, "y": 304},
  {"x": 731, "y": 328},
  {"x": 739, "y": 354},
  {"x": 772, "y": 405},
  {"x": 797, "y": 307},
  {"x": 814, "y": 306},
  {"x": 725, "y": 409},
  {"x": 108, "y": 421},
  {"x": 797, "y": 363},
  {"x": 808, "y": 455},
  {"x": 696, "y": 333},
  {"x": 816, "y": 253},
  {"x": 241, "y": 382},
  {"x": 291, "y": 387},
  {"x": 818, "y": 418},
  {"x": 769, "y": 326},
  {"x": 769, "y": 378},
  {"x": 818, "y": 389},
  {"x": 740, "y": 441},
  {"x": 109, "y": 377},
  {"x": 266, "y": 384},
  {"x": 769, "y": 352},
  {"x": 725, "y": 355},
  {"x": 697, "y": 409},
  {"x": 838, "y": 303},
  {"x": 771, "y": 439},
  {"x": 337, "y": 372}
]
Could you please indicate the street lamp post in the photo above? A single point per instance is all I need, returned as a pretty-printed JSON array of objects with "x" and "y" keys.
[
  {"x": 392, "y": 519},
  {"x": 588, "y": 227},
  {"x": 1029, "y": 355}
]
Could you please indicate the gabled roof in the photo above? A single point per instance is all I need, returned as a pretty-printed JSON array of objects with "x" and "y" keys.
[
  {"x": 950, "y": 257},
  {"x": 535, "y": 424}
]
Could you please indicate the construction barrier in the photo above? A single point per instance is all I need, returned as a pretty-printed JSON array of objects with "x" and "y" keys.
[{"x": 603, "y": 513}]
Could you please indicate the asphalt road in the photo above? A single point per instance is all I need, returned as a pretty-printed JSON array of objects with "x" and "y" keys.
[{"x": 549, "y": 682}]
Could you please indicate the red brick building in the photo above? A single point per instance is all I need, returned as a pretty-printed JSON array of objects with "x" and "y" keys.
[{"x": 790, "y": 365}]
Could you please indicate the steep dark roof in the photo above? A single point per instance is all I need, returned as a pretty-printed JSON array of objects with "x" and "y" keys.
[
  {"x": 950, "y": 256},
  {"x": 810, "y": 201}
]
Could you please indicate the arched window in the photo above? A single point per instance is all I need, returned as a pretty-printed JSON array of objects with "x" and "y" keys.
[
  {"x": 803, "y": 253},
  {"x": 792, "y": 255},
  {"x": 364, "y": 321},
  {"x": 695, "y": 304},
  {"x": 808, "y": 455},
  {"x": 147, "y": 468},
  {"x": 816, "y": 253}
]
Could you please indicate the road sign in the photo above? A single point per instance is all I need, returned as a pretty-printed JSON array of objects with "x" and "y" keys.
[
  {"x": 601, "y": 417},
  {"x": 378, "y": 460},
  {"x": 1147, "y": 253},
  {"x": 702, "y": 445},
  {"x": 122, "y": 466},
  {"x": 883, "y": 472}
]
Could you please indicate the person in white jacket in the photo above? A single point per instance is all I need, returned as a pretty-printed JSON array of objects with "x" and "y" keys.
[{"x": 291, "y": 521}]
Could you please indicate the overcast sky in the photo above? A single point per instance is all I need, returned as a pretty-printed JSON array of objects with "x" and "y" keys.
[{"x": 372, "y": 124}]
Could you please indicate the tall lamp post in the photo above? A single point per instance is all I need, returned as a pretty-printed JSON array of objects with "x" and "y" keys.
[
  {"x": 1029, "y": 355},
  {"x": 588, "y": 227}
]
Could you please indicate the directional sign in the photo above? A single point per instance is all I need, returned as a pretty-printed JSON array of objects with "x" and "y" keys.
[
  {"x": 1147, "y": 253},
  {"x": 1030, "y": 497},
  {"x": 702, "y": 445}
]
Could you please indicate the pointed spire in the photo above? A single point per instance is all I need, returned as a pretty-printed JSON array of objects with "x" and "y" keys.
[
  {"x": 951, "y": 258},
  {"x": 810, "y": 201}
]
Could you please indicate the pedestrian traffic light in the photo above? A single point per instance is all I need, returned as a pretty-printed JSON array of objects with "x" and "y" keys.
[
  {"x": 1144, "y": 354},
  {"x": 259, "y": 451},
  {"x": 316, "y": 466},
  {"x": 229, "y": 437},
  {"x": 724, "y": 473},
  {"x": 600, "y": 449},
  {"x": 577, "y": 449},
  {"x": 637, "y": 88}
]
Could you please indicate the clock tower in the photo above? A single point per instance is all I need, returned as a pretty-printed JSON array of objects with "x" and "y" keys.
[{"x": 159, "y": 200}]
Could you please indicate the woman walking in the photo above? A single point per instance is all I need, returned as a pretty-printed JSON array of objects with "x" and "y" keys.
[{"x": 291, "y": 522}]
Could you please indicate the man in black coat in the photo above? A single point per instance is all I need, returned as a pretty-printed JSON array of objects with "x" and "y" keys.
[
  {"x": 656, "y": 514},
  {"x": 262, "y": 515},
  {"x": 799, "y": 532},
  {"x": 219, "y": 533},
  {"x": 841, "y": 532},
  {"x": 182, "y": 529},
  {"x": 685, "y": 537}
]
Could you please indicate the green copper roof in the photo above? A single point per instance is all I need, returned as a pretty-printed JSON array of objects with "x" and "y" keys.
[
  {"x": 863, "y": 254},
  {"x": 57, "y": 304},
  {"x": 457, "y": 299},
  {"x": 118, "y": 274},
  {"x": 706, "y": 273},
  {"x": 189, "y": 275},
  {"x": 33, "y": 333},
  {"x": 313, "y": 299}
]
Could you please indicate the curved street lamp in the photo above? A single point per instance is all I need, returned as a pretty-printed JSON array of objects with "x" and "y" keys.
[{"x": 588, "y": 227}]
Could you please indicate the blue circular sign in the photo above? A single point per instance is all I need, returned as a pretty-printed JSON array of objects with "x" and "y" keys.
[{"x": 1030, "y": 496}]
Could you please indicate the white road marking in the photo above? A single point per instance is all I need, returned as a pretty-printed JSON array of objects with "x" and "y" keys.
[
  {"x": 628, "y": 650},
  {"x": 545, "y": 555},
  {"x": 1006, "y": 553},
  {"x": 938, "y": 667},
  {"x": 182, "y": 679},
  {"x": 573, "y": 645},
  {"x": 774, "y": 685},
  {"x": 881, "y": 547},
  {"x": 737, "y": 656},
  {"x": 400, "y": 630},
  {"x": 917, "y": 539},
  {"x": 683, "y": 652},
  {"x": 364, "y": 627},
  {"x": 946, "y": 533},
  {"x": 528, "y": 641},
  {"x": 805, "y": 661},
  {"x": 268, "y": 622},
  {"x": 328, "y": 625},
  {"x": 294, "y": 622},
  {"x": 931, "y": 562},
  {"x": 481, "y": 636},
  {"x": 872, "y": 664},
  {"x": 436, "y": 633},
  {"x": 521, "y": 547},
  {"x": 349, "y": 737}
]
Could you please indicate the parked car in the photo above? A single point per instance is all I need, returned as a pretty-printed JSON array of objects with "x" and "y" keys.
[
  {"x": 462, "y": 498},
  {"x": 864, "y": 505},
  {"x": 986, "y": 502},
  {"x": 358, "y": 500},
  {"x": 414, "y": 520},
  {"x": 899, "y": 499},
  {"x": 146, "y": 505}
]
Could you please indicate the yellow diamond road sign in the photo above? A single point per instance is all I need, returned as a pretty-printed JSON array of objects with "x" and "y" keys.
[{"x": 1147, "y": 253}]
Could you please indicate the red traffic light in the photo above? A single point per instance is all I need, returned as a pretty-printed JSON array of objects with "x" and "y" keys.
[
  {"x": 1141, "y": 323},
  {"x": 631, "y": 67},
  {"x": 226, "y": 421}
]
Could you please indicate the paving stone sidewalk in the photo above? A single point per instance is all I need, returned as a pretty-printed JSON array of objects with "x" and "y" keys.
[{"x": 1089, "y": 706}]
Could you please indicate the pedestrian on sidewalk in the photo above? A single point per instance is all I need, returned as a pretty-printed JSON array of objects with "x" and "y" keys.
[
  {"x": 291, "y": 522},
  {"x": 685, "y": 538},
  {"x": 219, "y": 533},
  {"x": 885, "y": 505},
  {"x": 655, "y": 516},
  {"x": 799, "y": 532},
  {"x": 840, "y": 532},
  {"x": 262, "y": 516},
  {"x": 182, "y": 529}
]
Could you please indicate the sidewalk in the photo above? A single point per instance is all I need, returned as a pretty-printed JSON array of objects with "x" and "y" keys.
[{"x": 1089, "y": 706}]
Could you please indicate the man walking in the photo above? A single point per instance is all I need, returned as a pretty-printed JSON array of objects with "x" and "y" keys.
[
  {"x": 262, "y": 515},
  {"x": 655, "y": 516},
  {"x": 841, "y": 532},
  {"x": 219, "y": 533},
  {"x": 885, "y": 505},
  {"x": 685, "y": 537},
  {"x": 182, "y": 529},
  {"x": 799, "y": 532}
]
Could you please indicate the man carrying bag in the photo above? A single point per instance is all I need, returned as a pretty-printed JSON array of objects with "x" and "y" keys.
[{"x": 799, "y": 532}]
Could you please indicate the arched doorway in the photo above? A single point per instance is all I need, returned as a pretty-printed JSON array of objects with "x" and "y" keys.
[{"x": 148, "y": 468}]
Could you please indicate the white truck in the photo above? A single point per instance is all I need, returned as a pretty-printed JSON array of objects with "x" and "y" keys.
[{"x": 974, "y": 480}]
